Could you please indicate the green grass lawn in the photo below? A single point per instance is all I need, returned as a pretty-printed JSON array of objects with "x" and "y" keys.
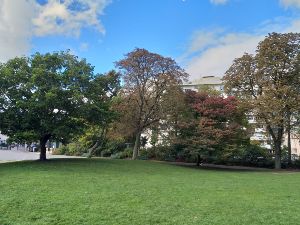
[{"x": 98, "y": 191}]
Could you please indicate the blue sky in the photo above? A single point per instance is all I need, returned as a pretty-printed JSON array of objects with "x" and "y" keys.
[{"x": 203, "y": 36}]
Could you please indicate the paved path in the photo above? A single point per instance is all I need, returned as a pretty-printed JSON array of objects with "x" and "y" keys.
[{"x": 17, "y": 155}]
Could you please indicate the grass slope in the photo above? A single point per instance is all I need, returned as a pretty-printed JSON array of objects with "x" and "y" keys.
[{"x": 83, "y": 191}]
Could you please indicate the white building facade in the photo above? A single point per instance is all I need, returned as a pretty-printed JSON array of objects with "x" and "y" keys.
[{"x": 212, "y": 82}]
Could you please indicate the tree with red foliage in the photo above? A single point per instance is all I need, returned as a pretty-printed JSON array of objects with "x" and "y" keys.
[{"x": 211, "y": 122}]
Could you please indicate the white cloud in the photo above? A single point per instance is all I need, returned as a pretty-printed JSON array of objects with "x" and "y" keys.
[
  {"x": 215, "y": 60},
  {"x": 20, "y": 20},
  {"x": 218, "y": 2},
  {"x": 213, "y": 53},
  {"x": 203, "y": 39},
  {"x": 290, "y": 3},
  {"x": 15, "y": 28},
  {"x": 68, "y": 17}
]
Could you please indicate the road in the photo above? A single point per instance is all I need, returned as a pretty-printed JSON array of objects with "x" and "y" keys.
[{"x": 19, "y": 155}]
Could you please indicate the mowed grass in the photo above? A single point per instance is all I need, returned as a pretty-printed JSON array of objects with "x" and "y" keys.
[{"x": 99, "y": 191}]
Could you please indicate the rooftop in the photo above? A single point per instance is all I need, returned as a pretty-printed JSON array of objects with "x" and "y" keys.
[{"x": 206, "y": 80}]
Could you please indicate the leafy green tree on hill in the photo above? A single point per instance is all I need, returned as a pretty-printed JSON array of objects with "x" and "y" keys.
[{"x": 52, "y": 96}]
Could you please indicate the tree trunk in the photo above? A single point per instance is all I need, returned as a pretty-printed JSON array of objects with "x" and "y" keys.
[
  {"x": 277, "y": 140},
  {"x": 92, "y": 149},
  {"x": 289, "y": 140},
  {"x": 289, "y": 148},
  {"x": 137, "y": 144},
  {"x": 43, "y": 142},
  {"x": 198, "y": 159},
  {"x": 277, "y": 154}
]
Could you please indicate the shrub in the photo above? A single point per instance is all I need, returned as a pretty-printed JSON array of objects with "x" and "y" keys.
[
  {"x": 248, "y": 155},
  {"x": 112, "y": 147},
  {"x": 163, "y": 153},
  {"x": 61, "y": 150},
  {"x": 296, "y": 163},
  {"x": 127, "y": 153},
  {"x": 253, "y": 153},
  {"x": 56, "y": 151},
  {"x": 144, "y": 154},
  {"x": 74, "y": 149}
]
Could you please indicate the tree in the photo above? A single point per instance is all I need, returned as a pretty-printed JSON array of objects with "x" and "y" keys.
[
  {"x": 102, "y": 113},
  {"x": 210, "y": 123},
  {"x": 51, "y": 96},
  {"x": 148, "y": 79},
  {"x": 268, "y": 84}
]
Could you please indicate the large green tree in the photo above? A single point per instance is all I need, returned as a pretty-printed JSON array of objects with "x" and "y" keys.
[
  {"x": 148, "y": 79},
  {"x": 52, "y": 96},
  {"x": 267, "y": 83}
]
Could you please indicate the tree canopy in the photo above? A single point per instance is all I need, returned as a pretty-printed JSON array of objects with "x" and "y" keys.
[
  {"x": 209, "y": 123},
  {"x": 268, "y": 84},
  {"x": 148, "y": 79},
  {"x": 52, "y": 96}
]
